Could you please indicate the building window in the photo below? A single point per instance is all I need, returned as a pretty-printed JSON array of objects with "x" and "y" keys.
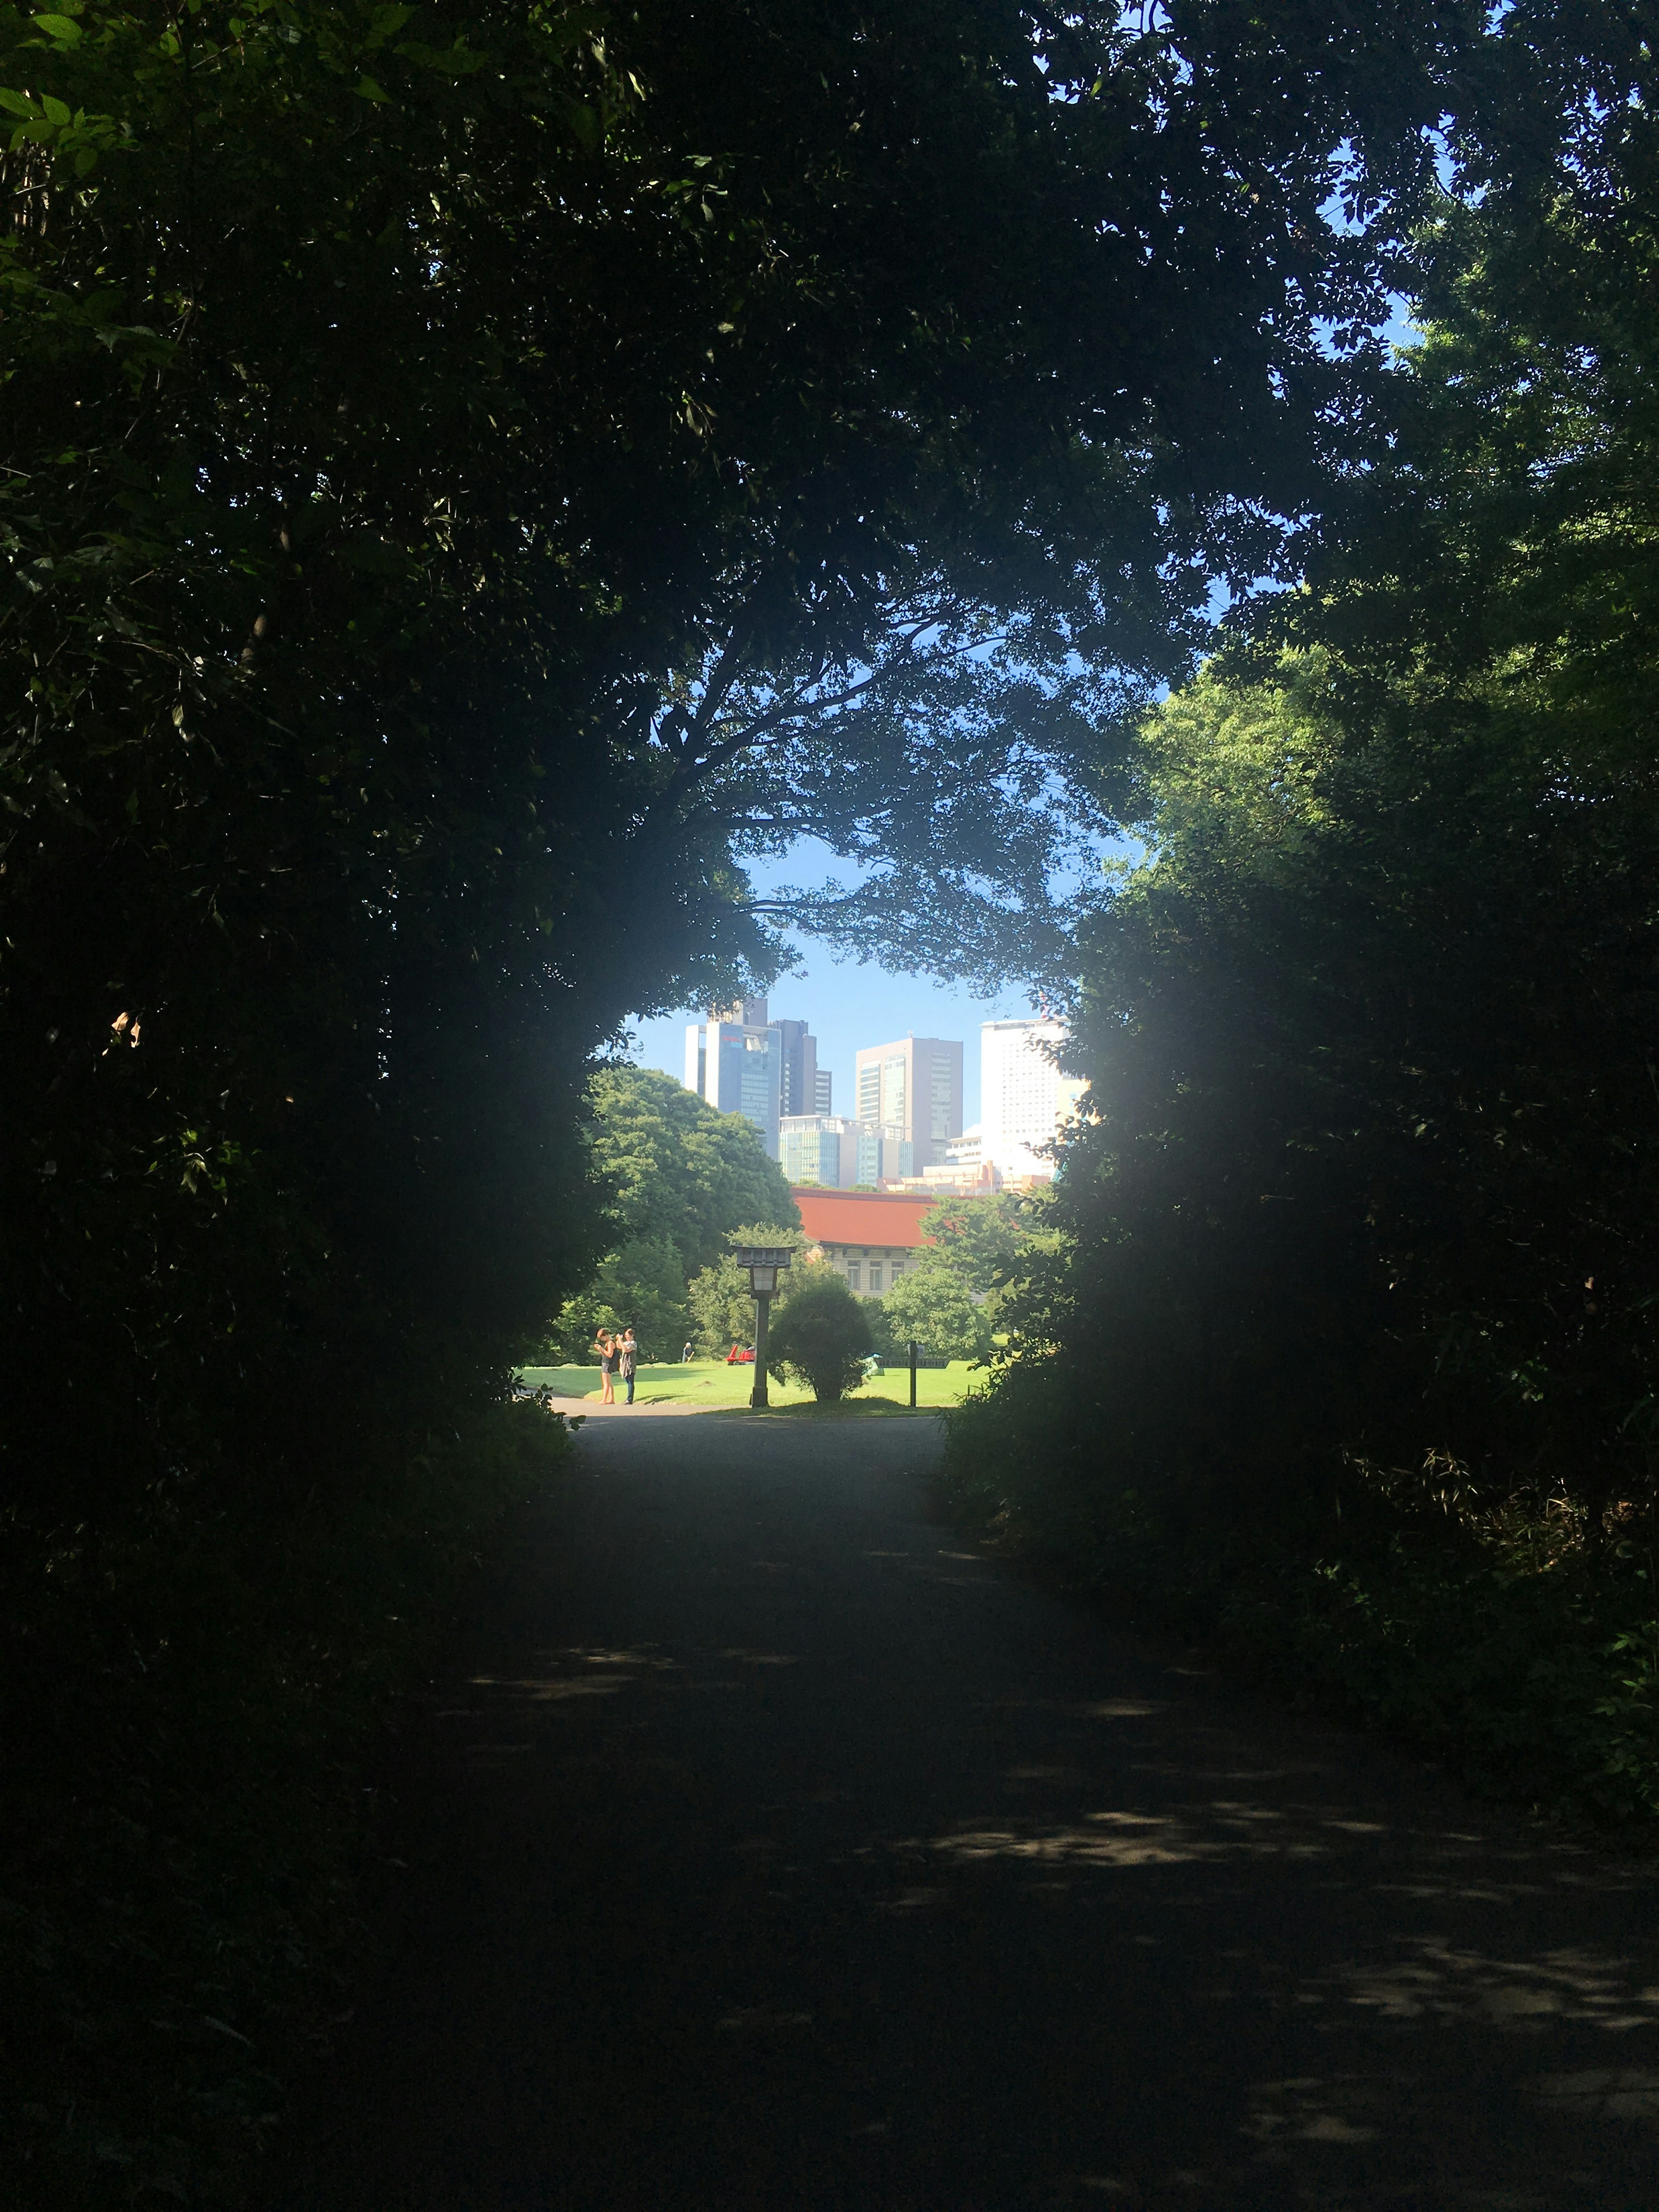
[
  {"x": 943, "y": 1097},
  {"x": 854, "y": 1275},
  {"x": 875, "y": 1278},
  {"x": 755, "y": 1093},
  {"x": 893, "y": 1101}
]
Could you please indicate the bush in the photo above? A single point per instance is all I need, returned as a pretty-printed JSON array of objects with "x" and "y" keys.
[
  {"x": 191, "y": 1709},
  {"x": 821, "y": 1335},
  {"x": 934, "y": 1306},
  {"x": 1486, "y": 1631}
]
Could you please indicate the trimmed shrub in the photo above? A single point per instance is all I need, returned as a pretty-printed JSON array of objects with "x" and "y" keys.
[{"x": 821, "y": 1335}]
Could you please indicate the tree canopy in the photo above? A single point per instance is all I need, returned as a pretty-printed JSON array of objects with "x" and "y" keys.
[
  {"x": 931, "y": 1304},
  {"x": 677, "y": 1181},
  {"x": 479, "y": 475},
  {"x": 1371, "y": 1034}
]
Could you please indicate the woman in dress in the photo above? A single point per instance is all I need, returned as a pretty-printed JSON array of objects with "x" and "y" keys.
[{"x": 607, "y": 1344}]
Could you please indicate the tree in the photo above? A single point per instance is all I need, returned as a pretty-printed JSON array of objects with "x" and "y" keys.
[
  {"x": 722, "y": 1304},
  {"x": 475, "y": 478},
  {"x": 951, "y": 1298},
  {"x": 674, "y": 1169},
  {"x": 1372, "y": 1181},
  {"x": 1371, "y": 1175},
  {"x": 675, "y": 1178},
  {"x": 979, "y": 1241},
  {"x": 820, "y": 1333},
  {"x": 640, "y": 1285},
  {"x": 932, "y": 1304}
]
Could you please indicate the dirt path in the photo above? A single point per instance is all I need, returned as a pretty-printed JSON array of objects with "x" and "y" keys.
[{"x": 770, "y": 1850}]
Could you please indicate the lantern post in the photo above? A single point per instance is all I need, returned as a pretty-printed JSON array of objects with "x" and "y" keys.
[{"x": 765, "y": 1262}]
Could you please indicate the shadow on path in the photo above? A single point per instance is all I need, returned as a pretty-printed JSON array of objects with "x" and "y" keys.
[{"x": 771, "y": 1849}]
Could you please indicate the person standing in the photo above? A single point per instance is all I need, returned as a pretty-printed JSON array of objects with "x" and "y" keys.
[
  {"x": 685, "y": 1356},
  {"x": 629, "y": 1351},
  {"x": 608, "y": 1357}
]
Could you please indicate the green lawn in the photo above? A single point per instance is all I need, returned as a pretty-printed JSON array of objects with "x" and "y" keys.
[{"x": 712, "y": 1383}]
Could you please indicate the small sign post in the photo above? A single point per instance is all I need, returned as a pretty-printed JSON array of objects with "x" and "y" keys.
[
  {"x": 764, "y": 1263},
  {"x": 914, "y": 1348}
]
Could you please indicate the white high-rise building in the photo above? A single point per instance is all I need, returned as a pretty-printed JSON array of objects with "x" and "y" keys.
[{"x": 1023, "y": 1099}]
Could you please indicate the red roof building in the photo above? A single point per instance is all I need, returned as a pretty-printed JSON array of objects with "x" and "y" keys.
[{"x": 870, "y": 1237}]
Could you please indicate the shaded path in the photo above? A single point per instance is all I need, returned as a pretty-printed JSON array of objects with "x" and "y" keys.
[{"x": 771, "y": 1852}]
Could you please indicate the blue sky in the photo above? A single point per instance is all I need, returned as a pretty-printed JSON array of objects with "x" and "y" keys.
[
  {"x": 846, "y": 1003},
  {"x": 849, "y": 1004},
  {"x": 846, "y": 1006}
]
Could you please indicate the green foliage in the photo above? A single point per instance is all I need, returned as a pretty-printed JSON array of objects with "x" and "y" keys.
[
  {"x": 676, "y": 1178},
  {"x": 475, "y": 478},
  {"x": 1351, "y": 1163},
  {"x": 642, "y": 1283},
  {"x": 931, "y": 1303},
  {"x": 984, "y": 1243},
  {"x": 820, "y": 1335},
  {"x": 1353, "y": 1193},
  {"x": 673, "y": 1170},
  {"x": 1484, "y": 1635},
  {"x": 722, "y": 1304},
  {"x": 722, "y": 1309},
  {"x": 949, "y": 1298},
  {"x": 1344, "y": 1343},
  {"x": 191, "y": 1711}
]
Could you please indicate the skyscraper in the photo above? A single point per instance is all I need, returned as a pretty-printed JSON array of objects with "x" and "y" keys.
[
  {"x": 817, "y": 1148},
  {"x": 1023, "y": 1099},
  {"x": 737, "y": 1066},
  {"x": 914, "y": 1085},
  {"x": 798, "y": 1082},
  {"x": 742, "y": 1013}
]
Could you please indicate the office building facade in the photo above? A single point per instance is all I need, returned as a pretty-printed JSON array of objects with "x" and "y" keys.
[
  {"x": 798, "y": 1079},
  {"x": 823, "y": 1151},
  {"x": 1025, "y": 1100},
  {"x": 737, "y": 1066},
  {"x": 914, "y": 1085}
]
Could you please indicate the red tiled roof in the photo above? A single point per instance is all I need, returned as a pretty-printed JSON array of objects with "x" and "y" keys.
[{"x": 861, "y": 1217}]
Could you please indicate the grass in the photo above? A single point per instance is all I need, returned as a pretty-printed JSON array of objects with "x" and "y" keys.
[
  {"x": 710, "y": 1384},
  {"x": 864, "y": 1405}
]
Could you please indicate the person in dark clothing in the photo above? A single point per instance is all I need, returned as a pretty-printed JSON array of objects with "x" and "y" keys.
[{"x": 630, "y": 1357}]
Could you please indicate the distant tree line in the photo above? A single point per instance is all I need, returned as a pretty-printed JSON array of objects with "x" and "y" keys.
[{"x": 679, "y": 1183}]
